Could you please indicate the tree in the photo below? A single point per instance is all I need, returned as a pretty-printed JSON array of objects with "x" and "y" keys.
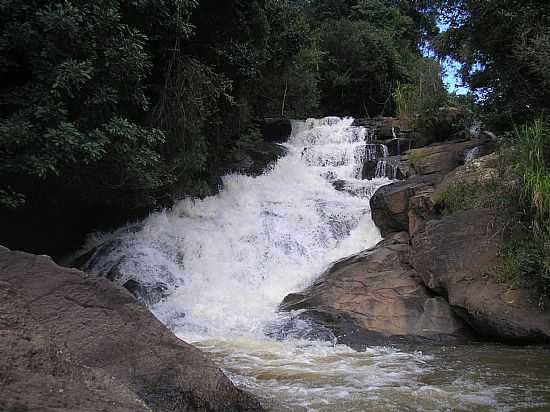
[
  {"x": 504, "y": 46},
  {"x": 75, "y": 101}
]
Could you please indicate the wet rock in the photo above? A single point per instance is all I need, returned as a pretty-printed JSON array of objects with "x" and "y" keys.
[
  {"x": 369, "y": 169},
  {"x": 376, "y": 298},
  {"x": 93, "y": 262},
  {"x": 72, "y": 342},
  {"x": 398, "y": 146},
  {"x": 391, "y": 205},
  {"x": 148, "y": 294},
  {"x": 384, "y": 132},
  {"x": 393, "y": 167},
  {"x": 276, "y": 129},
  {"x": 356, "y": 188},
  {"x": 256, "y": 159},
  {"x": 299, "y": 326},
  {"x": 457, "y": 257}
]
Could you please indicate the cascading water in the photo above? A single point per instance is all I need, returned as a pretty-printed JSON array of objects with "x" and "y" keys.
[
  {"x": 227, "y": 261},
  {"x": 222, "y": 265}
]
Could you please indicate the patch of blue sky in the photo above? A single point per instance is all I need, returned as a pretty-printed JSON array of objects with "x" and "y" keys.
[{"x": 451, "y": 67}]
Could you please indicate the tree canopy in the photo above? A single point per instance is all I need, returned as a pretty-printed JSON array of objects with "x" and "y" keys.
[
  {"x": 504, "y": 46},
  {"x": 113, "y": 108}
]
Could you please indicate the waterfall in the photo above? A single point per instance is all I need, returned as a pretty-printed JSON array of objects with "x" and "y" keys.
[
  {"x": 224, "y": 263},
  {"x": 216, "y": 269}
]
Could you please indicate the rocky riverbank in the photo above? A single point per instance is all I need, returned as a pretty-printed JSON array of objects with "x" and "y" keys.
[
  {"x": 434, "y": 278},
  {"x": 74, "y": 342}
]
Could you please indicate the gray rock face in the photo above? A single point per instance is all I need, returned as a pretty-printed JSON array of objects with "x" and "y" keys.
[
  {"x": 376, "y": 298},
  {"x": 71, "y": 342},
  {"x": 457, "y": 257}
]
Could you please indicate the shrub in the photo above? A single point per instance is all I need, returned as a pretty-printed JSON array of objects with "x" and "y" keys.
[{"x": 531, "y": 256}]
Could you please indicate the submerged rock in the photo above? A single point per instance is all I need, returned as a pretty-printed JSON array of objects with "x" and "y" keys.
[
  {"x": 457, "y": 257},
  {"x": 75, "y": 342},
  {"x": 375, "y": 297}
]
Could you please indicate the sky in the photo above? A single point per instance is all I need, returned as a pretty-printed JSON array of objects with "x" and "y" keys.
[
  {"x": 451, "y": 77},
  {"x": 451, "y": 68}
]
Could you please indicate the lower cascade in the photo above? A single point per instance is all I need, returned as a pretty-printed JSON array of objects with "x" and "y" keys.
[{"x": 215, "y": 271}]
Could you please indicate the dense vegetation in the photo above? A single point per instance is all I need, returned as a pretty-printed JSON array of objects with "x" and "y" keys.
[
  {"x": 504, "y": 46},
  {"x": 109, "y": 109}
]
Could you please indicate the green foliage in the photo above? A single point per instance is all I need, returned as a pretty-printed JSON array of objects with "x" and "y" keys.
[
  {"x": 76, "y": 96},
  {"x": 360, "y": 67},
  {"x": 425, "y": 95},
  {"x": 532, "y": 145},
  {"x": 288, "y": 81},
  {"x": 525, "y": 262},
  {"x": 75, "y": 99},
  {"x": 426, "y": 106},
  {"x": 526, "y": 215},
  {"x": 469, "y": 195},
  {"x": 504, "y": 46},
  {"x": 532, "y": 258},
  {"x": 188, "y": 102}
]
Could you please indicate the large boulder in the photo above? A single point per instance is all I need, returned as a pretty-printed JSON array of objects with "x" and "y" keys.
[
  {"x": 401, "y": 206},
  {"x": 376, "y": 298},
  {"x": 457, "y": 258},
  {"x": 72, "y": 342}
]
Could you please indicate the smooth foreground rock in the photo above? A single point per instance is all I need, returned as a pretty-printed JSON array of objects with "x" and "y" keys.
[
  {"x": 70, "y": 342},
  {"x": 457, "y": 258},
  {"x": 376, "y": 298}
]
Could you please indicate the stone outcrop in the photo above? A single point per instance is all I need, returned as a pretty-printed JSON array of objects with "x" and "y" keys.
[
  {"x": 72, "y": 342},
  {"x": 375, "y": 297},
  {"x": 402, "y": 206},
  {"x": 457, "y": 258},
  {"x": 441, "y": 157},
  {"x": 433, "y": 278}
]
